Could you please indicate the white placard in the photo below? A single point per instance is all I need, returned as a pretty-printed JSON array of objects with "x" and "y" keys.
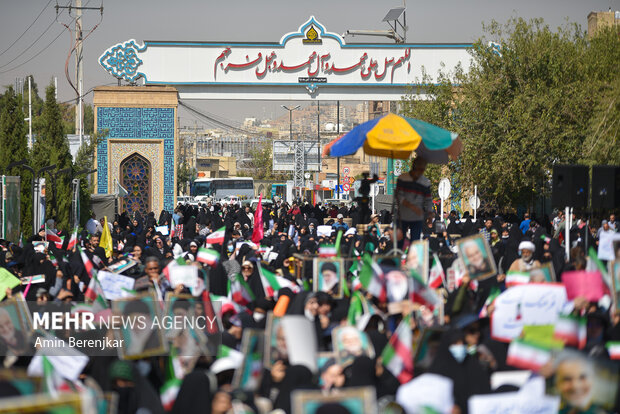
[
  {"x": 115, "y": 285},
  {"x": 606, "y": 245},
  {"x": 444, "y": 188},
  {"x": 530, "y": 304},
  {"x": 301, "y": 342},
  {"x": 164, "y": 230},
  {"x": 67, "y": 362},
  {"x": 183, "y": 275},
  {"x": 324, "y": 231},
  {"x": 427, "y": 390},
  {"x": 513, "y": 403}
]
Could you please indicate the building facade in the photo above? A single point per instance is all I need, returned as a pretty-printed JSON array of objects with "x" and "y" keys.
[{"x": 140, "y": 149}]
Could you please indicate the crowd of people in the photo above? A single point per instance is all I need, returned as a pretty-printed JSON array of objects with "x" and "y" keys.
[{"x": 339, "y": 273}]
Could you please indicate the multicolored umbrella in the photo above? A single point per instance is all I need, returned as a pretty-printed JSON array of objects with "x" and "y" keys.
[{"x": 395, "y": 136}]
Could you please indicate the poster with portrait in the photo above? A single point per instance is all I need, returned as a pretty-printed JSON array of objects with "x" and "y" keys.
[
  {"x": 140, "y": 340},
  {"x": 329, "y": 276},
  {"x": 183, "y": 333},
  {"x": 275, "y": 341},
  {"x": 349, "y": 342},
  {"x": 358, "y": 400},
  {"x": 65, "y": 402},
  {"x": 248, "y": 376},
  {"x": 544, "y": 274},
  {"x": 417, "y": 259},
  {"x": 15, "y": 328},
  {"x": 584, "y": 384},
  {"x": 476, "y": 256}
]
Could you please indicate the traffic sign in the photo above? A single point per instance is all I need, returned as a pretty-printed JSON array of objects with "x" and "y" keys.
[
  {"x": 474, "y": 202},
  {"x": 444, "y": 188},
  {"x": 346, "y": 170},
  {"x": 346, "y": 187}
]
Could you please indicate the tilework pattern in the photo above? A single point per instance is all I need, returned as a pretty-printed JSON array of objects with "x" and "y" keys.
[
  {"x": 138, "y": 123},
  {"x": 152, "y": 151}
]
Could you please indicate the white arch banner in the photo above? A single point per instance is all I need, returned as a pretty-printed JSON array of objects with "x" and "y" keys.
[{"x": 310, "y": 63}]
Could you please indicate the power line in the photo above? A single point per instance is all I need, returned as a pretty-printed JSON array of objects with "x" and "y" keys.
[
  {"x": 218, "y": 122},
  {"x": 41, "y": 51},
  {"x": 32, "y": 44},
  {"x": 28, "y": 28}
]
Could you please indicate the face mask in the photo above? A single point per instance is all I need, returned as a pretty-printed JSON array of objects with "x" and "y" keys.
[
  {"x": 230, "y": 248},
  {"x": 459, "y": 352},
  {"x": 504, "y": 237},
  {"x": 258, "y": 316},
  {"x": 309, "y": 314}
]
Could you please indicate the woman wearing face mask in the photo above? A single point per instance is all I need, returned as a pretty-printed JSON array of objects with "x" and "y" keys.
[{"x": 466, "y": 371}]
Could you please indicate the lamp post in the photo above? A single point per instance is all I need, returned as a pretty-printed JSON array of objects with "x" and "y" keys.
[
  {"x": 290, "y": 113},
  {"x": 297, "y": 173},
  {"x": 75, "y": 183}
]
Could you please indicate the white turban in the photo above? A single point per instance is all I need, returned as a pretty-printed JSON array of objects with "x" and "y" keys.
[{"x": 527, "y": 245}]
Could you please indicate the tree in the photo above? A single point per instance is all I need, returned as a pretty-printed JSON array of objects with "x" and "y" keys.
[
  {"x": 52, "y": 147},
  {"x": 14, "y": 147},
  {"x": 260, "y": 165},
  {"x": 184, "y": 175},
  {"x": 85, "y": 160},
  {"x": 525, "y": 106}
]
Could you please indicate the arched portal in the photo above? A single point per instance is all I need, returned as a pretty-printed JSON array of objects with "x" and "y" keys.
[{"x": 135, "y": 173}]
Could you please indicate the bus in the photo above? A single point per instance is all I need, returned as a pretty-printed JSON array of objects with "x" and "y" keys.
[{"x": 218, "y": 188}]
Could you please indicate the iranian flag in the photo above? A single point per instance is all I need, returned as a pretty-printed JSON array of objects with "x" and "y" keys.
[
  {"x": 227, "y": 304},
  {"x": 327, "y": 250},
  {"x": 527, "y": 355},
  {"x": 172, "y": 385},
  {"x": 208, "y": 256},
  {"x": 53, "y": 260},
  {"x": 94, "y": 290},
  {"x": 240, "y": 292},
  {"x": 613, "y": 348},
  {"x": 436, "y": 275},
  {"x": 87, "y": 263},
  {"x": 217, "y": 237},
  {"x": 53, "y": 381},
  {"x": 173, "y": 229},
  {"x": 517, "y": 278},
  {"x": 398, "y": 354},
  {"x": 73, "y": 239},
  {"x": 420, "y": 293},
  {"x": 53, "y": 237},
  {"x": 269, "y": 281},
  {"x": 377, "y": 285},
  {"x": 209, "y": 313},
  {"x": 285, "y": 283},
  {"x": 572, "y": 330},
  {"x": 493, "y": 294}
]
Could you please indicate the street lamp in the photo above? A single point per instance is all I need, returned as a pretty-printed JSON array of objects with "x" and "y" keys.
[
  {"x": 290, "y": 112},
  {"x": 75, "y": 183}
]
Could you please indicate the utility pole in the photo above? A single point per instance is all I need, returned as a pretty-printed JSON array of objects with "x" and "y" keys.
[
  {"x": 29, "y": 119},
  {"x": 79, "y": 73},
  {"x": 338, "y": 158}
]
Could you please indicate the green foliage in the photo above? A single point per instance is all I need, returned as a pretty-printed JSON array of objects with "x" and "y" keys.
[
  {"x": 89, "y": 119},
  {"x": 52, "y": 147},
  {"x": 14, "y": 147},
  {"x": 547, "y": 97},
  {"x": 260, "y": 165},
  {"x": 85, "y": 160},
  {"x": 184, "y": 175}
]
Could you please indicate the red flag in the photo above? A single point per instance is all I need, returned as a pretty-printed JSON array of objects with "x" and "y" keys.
[{"x": 258, "y": 231}]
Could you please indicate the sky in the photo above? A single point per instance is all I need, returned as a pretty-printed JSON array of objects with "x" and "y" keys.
[{"x": 42, "y": 48}]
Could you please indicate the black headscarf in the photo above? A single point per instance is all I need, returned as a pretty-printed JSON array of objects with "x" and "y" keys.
[{"x": 297, "y": 377}]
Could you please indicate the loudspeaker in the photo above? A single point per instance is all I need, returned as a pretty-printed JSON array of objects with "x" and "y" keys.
[
  {"x": 605, "y": 186},
  {"x": 570, "y": 186}
]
